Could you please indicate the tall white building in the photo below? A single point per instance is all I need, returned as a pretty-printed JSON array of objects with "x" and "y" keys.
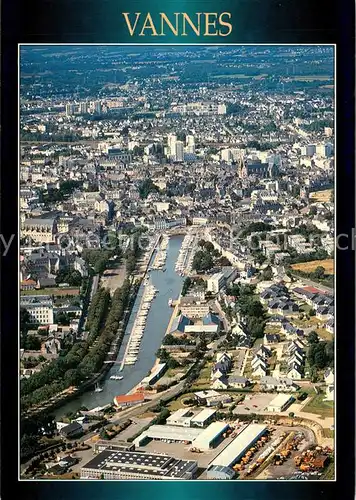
[
  {"x": 222, "y": 109},
  {"x": 324, "y": 150},
  {"x": 172, "y": 139},
  {"x": 83, "y": 108},
  {"x": 96, "y": 107},
  {"x": 226, "y": 155},
  {"x": 70, "y": 109},
  {"x": 190, "y": 141},
  {"x": 179, "y": 152}
]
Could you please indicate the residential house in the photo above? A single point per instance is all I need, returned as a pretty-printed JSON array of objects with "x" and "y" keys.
[
  {"x": 282, "y": 384},
  {"x": 258, "y": 359},
  {"x": 264, "y": 352},
  {"x": 295, "y": 372},
  {"x": 271, "y": 338},
  {"x": 260, "y": 370},
  {"x": 220, "y": 383},
  {"x": 291, "y": 331},
  {"x": 330, "y": 325},
  {"x": 324, "y": 312},
  {"x": 238, "y": 382},
  {"x": 283, "y": 307},
  {"x": 329, "y": 393},
  {"x": 329, "y": 376}
]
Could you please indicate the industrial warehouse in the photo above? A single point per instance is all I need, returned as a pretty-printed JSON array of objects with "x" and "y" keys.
[
  {"x": 113, "y": 465},
  {"x": 211, "y": 436},
  {"x": 221, "y": 466},
  {"x": 280, "y": 403},
  {"x": 167, "y": 433},
  {"x": 203, "y": 439},
  {"x": 187, "y": 418}
]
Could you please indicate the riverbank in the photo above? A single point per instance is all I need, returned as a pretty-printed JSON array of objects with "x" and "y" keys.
[
  {"x": 168, "y": 329},
  {"x": 169, "y": 284},
  {"x": 71, "y": 394}
]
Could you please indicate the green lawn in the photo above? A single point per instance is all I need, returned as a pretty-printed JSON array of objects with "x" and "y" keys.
[
  {"x": 320, "y": 407},
  {"x": 177, "y": 403}
]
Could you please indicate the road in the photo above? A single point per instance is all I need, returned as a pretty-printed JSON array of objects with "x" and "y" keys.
[{"x": 94, "y": 287}]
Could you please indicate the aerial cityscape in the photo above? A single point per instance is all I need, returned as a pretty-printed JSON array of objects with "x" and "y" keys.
[{"x": 176, "y": 262}]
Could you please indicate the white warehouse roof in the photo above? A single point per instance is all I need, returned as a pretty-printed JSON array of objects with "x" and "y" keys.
[
  {"x": 208, "y": 435},
  {"x": 203, "y": 415},
  {"x": 169, "y": 432},
  {"x": 280, "y": 401},
  {"x": 239, "y": 445},
  {"x": 181, "y": 412}
]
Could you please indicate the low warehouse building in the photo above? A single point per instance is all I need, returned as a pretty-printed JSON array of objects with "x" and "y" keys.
[
  {"x": 211, "y": 436},
  {"x": 155, "y": 375},
  {"x": 280, "y": 403},
  {"x": 168, "y": 433},
  {"x": 220, "y": 472},
  {"x": 203, "y": 418},
  {"x": 104, "y": 444},
  {"x": 113, "y": 465},
  {"x": 129, "y": 399},
  {"x": 234, "y": 452},
  {"x": 181, "y": 417}
]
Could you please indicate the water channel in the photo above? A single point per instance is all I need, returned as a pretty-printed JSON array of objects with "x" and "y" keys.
[{"x": 169, "y": 285}]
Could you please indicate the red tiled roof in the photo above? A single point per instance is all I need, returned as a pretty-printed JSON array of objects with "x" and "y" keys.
[
  {"x": 311, "y": 289},
  {"x": 28, "y": 282},
  {"x": 129, "y": 398}
]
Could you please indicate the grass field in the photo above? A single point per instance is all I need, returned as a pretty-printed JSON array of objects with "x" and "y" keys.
[
  {"x": 324, "y": 334},
  {"x": 309, "y": 267},
  {"x": 177, "y": 403},
  {"x": 320, "y": 407},
  {"x": 321, "y": 196}
]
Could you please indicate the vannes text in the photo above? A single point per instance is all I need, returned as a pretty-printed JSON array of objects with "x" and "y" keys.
[{"x": 178, "y": 24}]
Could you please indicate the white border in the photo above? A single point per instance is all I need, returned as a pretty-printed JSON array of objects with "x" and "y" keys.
[{"x": 335, "y": 252}]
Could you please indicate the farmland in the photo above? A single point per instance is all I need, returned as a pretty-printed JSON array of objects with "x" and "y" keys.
[{"x": 309, "y": 267}]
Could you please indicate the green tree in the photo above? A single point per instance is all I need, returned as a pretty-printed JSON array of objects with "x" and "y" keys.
[
  {"x": 319, "y": 272},
  {"x": 267, "y": 273},
  {"x": 313, "y": 338}
]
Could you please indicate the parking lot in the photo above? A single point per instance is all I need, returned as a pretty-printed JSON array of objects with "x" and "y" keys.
[
  {"x": 182, "y": 451},
  {"x": 254, "y": 403}
]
